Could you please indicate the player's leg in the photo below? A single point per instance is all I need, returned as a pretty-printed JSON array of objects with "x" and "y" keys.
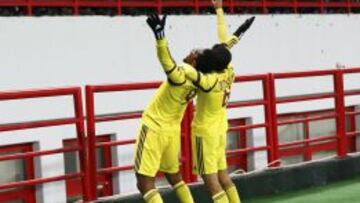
[
  {"x": 205, "y": 158},
  {"x": 146, "y": 186},
  {"x": 147, "y": 162},
  {"x": 170, "y": 165},
  {"x": 223, "y": 175},
  {"x": 213, "y": 186},
  {"x": 181, "y": 189},
  {"x": 228, "y": 186}
]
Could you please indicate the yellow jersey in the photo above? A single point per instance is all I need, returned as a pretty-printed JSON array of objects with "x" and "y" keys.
[
  {"x": 165, "y": 110},
  {"x": 211, "y": 115}
]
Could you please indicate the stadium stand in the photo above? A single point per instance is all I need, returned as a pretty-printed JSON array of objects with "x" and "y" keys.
[{"x": 141, "y": 7}]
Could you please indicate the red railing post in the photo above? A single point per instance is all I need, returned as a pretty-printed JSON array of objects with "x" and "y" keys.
[
  {"x": 118, "y": 7},
  {"x": 348, "y": 6},
  {"x": 76, "y": 7},
  {"x": 29, "y": 8},
  {"x": 186, "y": 154},
  {"x": 340, "y": 112},
  {"x": 273, "y": 137},
  {"x": 80, "y": 129},
  {"x": 159, "y": 7},
  {"x": 232, "y": 10},
  {"x": 268, "y": 118},
  {"x": 322, "y": 6},
  {"x": 196, "y": 6},
  {"x": 91, "y": 144},
  {"x": 296, "y": 6},
  {"x": 264, "y": 7}
]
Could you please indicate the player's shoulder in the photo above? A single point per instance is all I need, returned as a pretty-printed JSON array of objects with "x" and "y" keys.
[{"x": 186, "y": 85}]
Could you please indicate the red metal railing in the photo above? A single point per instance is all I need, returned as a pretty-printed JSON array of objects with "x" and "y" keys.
[
  {"x": 266, "y": 103},
  {"x": 233, "y": 6},
  {"x": 339, "y": 115},
  {"x": 92, "y": 119},
  {"x": 186, "y": 162},
  {"x": 349, "y": 93},
  {"x": 78, "y": 121},
  {"x": 269, "y": 102}
]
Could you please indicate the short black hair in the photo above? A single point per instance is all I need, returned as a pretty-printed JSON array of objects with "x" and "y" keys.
[
  {"x": 215, "y": 59},
  {"x": 223, "y": 56},
  {"x": 206, "y": 61}
]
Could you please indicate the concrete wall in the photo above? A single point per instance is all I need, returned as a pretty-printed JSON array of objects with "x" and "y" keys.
[{"x": 75, "y": 51}]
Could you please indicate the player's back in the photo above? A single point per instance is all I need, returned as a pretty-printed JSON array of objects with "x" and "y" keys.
[
  {"x": 166, "y": 109},
  {"x": 210, "y": 115}
]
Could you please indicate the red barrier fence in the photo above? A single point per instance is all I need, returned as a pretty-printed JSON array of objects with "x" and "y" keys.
[
  {"x": 261, "y": 6},
  {"x": 269, "y": 101},
  {"x": 78, "y": 121},
  {"x": 92, "y": 119}
]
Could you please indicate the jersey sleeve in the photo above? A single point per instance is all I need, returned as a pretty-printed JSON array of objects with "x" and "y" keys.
[
  {"x": 175, "y": 74},
  {"x": 223, "y": 35},
  {"x": 205, "y": 82},
  {"x": 222, "y": 30}
]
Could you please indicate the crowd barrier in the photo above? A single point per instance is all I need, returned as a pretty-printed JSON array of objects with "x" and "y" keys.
[
  {"x": 195, "y": 6},
  {"x": 269, "y": 101}
]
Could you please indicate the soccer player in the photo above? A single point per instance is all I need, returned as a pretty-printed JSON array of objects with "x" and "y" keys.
[
  {"x": 158, "y": 142},
  {"x": 210, "y": 123}
]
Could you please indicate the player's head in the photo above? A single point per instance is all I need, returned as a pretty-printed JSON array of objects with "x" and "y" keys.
[
  {"x": 222, "y": 56},
  {"x": 211, "y": 60},
  {"x": 192, "y": 56},
  {"x": 201, "y": 59},
  {"x": 206, "y": 61}
]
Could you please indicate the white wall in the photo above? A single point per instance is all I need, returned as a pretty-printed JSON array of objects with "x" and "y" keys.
[
  {"x": 82, "y": 50},
  {"x": 62, "y": 51}
]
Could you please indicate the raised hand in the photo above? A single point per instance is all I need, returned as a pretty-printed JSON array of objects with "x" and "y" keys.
[
  {"x": 157, "y": 25},
  {"x": 244, "y": 27},
  {"x": 217, "y": 3}
]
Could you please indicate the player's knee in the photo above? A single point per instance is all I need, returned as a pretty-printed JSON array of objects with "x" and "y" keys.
[
  {"x": 225, "y": 183},
  {"x": 173, "y": 178},
  {"x": 212, "y": 183},
  {"x": 144, "y": 183},
  {"x": 225, "y": 179},
  {"x": 140, "y": 185},
  {"x": 144, "y": 186}
]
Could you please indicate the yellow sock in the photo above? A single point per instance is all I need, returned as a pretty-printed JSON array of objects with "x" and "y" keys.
[
  {"x": 233, "y": 194},
  {"x": 183, "y": 192},
  {"x": 153, "y": 196},
  {"x": 220, "y": 197}
]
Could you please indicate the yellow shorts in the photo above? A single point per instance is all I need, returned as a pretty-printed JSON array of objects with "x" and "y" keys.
[
  {"x": 208, "y": 153},
  {"x": 156, "y": 152}
]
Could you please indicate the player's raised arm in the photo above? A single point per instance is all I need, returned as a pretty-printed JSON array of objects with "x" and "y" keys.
[
  {"x": 174, "y": 73},
  {"x": 222, "y": 30},
  {"x": 239, "y": 32}
]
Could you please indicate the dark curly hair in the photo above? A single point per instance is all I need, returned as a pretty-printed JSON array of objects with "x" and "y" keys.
[
  {"x": 206, "y": 61},
  {"x": 223, "y": 56},
  {"x": 215, "y": 59}
]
